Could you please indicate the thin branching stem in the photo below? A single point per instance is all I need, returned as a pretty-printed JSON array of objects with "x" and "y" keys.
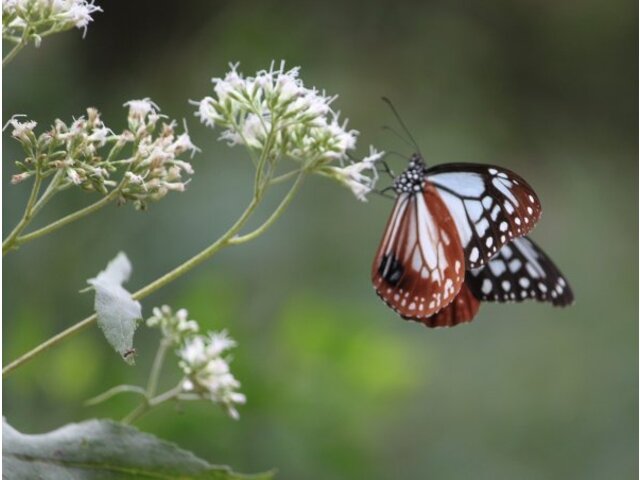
[
  {"x": 228, "y": 238},
  {"x": 72, "y": 217},
  {"x": 112, "y": 392},
  {"x": 28, "y": 214},
  {"x": 149, "y": 403},
  {"x": 156, "y": 368},
  {"x": 16, "y": 48}
]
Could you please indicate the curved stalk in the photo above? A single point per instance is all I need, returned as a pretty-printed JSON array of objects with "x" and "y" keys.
[
  {"x": 113, "y": 392},
  {"x": 16, "y": 48},
  {"x": 32, "y": 208},
  {"x": 72, "y": 217},
  {"x": 150, "y": 403},
  {"x": 8, "y": 243},
  {"x": 228, "y": 238}
]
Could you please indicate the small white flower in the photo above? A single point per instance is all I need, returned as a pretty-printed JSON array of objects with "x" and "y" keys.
[
  {"x": 73, "y": 176},
  {"x": 255, "y": 130},
  {"x": 354, "y": 177},
  {"x": 134, "y": 179},
  {"x": 219, "y": 343},
  {"x": 175, "y": 327},
  {"x": 194, "y": 352},
  {"x": 21, "y": 130},
  {"x": 186, "y": 166},
  {"x": 230, "y": 85},
  {"x": 207, "y": 112},
  {"x": 20, "y": 177},
  {"x": 139, "y": 109},
  {"x": 207, "y": 373},
  {"x": 183, "y": 144},
  {"x": 99, "y": 135}
]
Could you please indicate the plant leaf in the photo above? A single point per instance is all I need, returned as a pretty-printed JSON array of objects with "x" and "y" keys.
[
  {"x": 118, "y": 313},
  {"x": 103, "y": 449}
]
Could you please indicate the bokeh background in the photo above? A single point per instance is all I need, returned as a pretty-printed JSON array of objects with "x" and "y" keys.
[{"x": 337, "y": 385}]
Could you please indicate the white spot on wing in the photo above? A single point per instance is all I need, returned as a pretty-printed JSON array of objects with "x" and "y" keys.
[
  {"x": 482, "y": 226},
  {"x": 497, "y": 267}
]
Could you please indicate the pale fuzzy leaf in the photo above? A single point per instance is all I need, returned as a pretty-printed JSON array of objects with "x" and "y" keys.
[
  {"x": 118, "y": 313},
  {"x": 118, "y": 271},
  {"x": 103, "y": 449}
]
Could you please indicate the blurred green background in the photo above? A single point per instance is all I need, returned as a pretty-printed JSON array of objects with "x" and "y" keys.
[{"x": 337, "y": 385}]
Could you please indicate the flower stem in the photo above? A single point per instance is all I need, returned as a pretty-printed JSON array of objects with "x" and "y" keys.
[
  {"x": 237, "y": 240},
  {"x": 9, "y": 242},
  {"x": 196, "y": 260},
  {"x": 16, "y": 48},
  {"x": 72, "y": 217},
  {"x": 46, "y": 345},
  {"x": 150, "y": 403},
  {"x": 156, "y": 368},
  {"x": 114, "y": 391},
  {"x": 228, "y": 238},
  {"x": 32, "y": 208}
]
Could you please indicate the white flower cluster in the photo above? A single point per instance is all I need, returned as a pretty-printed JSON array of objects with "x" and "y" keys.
[
  {"x": 206, "y": 371},
  {"x": 154, "y": 169},
  {"x": 353, "y": 175},
  {"x": 274, "y": 111},
  {"x": 70, "y": 148},
  {"x": 150, "y": 172},
  {"x": 34, "y": 19},
  {"x": 175, "y": 327}
]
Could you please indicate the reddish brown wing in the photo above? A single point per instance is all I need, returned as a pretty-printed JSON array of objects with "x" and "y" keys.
[
  {"x": 462, "y": 310},
  {"x": 419, "y": 267}
]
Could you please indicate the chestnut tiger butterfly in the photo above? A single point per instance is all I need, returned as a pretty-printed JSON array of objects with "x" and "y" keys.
[{"x": 456, "y": 237}]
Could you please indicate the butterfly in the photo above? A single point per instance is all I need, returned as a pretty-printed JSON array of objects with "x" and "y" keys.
[{"x": 455, "y": 237}]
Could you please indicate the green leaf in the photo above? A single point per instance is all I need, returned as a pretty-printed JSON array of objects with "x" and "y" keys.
[
  {"x": 103, "y": 449},
  {"x": 118, "y": 313}
]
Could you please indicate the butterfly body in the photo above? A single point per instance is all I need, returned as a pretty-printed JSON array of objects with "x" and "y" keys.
[{"x": 434, "y": 263}]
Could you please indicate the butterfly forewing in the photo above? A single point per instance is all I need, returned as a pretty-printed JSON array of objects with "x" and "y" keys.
[
  {"x": 520, "y": 271},
  {"x": 419, "y": 267},
  {"x": 490, "y": 206}
]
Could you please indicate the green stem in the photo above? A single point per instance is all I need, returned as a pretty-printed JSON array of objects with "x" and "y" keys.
[
  {"x": 46, "y": 345},
  {"x": 284, "y": 177},
  {"x": 196, "y": 260},
  {"x": 237, "y": 240},
  {"x": 72, "y": 217},
  {"x": 16, "y": 48},
  {"x": 229, "y": 238},
  {"x": 136, "y": 413},
  {"x": 150, "y": 403},
  {"x": 115, "y": 391},
  {"x": 158, "y": 361},
  {"x": 33, "y": 207},
  {"x": 9, "y": 242},
  {"x": 51, "y": 190}
]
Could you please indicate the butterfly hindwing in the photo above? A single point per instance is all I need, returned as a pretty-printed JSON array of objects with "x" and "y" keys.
[
  {"x": 461, "y": 310},
  {"x": 490, "y": 206},
  {"x": 419, "y": 267},
  {"x": 520, "y": 271}
]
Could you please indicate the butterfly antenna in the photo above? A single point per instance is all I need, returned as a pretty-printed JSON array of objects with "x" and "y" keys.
[
  {"x": 402, "y": 124},
  {"x": 386, "y": 168},
  {"x": 397, "y": 134},
  {"x": 384, "y": 193}
]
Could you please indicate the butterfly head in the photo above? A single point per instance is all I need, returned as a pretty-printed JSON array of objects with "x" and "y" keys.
[{"x": 413, "y": 177}]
